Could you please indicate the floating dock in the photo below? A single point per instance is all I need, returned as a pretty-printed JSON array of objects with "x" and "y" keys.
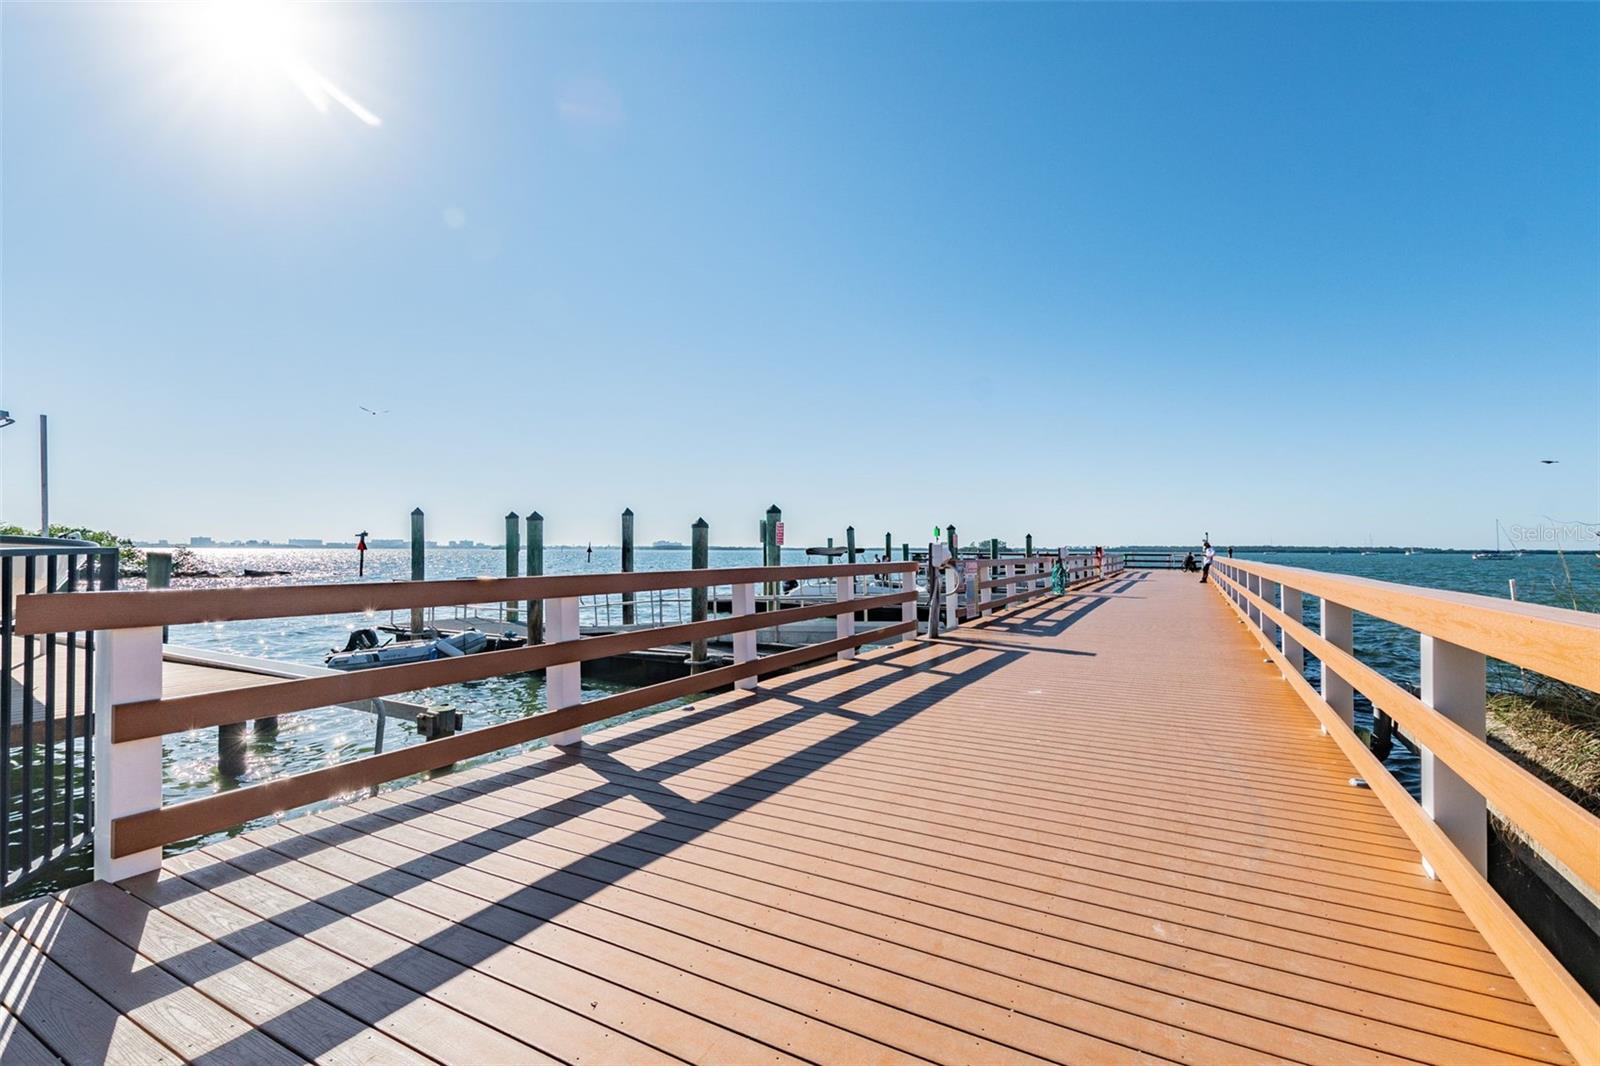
[{"x": 1092, "y": 828}]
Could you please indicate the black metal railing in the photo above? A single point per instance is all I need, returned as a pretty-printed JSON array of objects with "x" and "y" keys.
[{"x": 46, "y": 711}]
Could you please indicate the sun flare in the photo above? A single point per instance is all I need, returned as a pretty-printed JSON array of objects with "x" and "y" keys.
[{"x": 254, "y": 46}]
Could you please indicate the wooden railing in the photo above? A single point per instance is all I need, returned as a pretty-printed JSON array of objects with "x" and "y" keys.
[
  {"x": 131, "y": 822},
  {"x": 1461, "y": 774}
]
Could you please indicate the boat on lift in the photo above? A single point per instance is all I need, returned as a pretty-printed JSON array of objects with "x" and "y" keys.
[{"x": 363, "y": 650}]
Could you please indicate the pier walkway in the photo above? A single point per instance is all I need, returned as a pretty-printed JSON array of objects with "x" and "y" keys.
[{"x": 1096, "y": 828}]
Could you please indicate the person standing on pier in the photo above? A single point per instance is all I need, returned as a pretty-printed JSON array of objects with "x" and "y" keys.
[{"x": 1210, "y": 554}]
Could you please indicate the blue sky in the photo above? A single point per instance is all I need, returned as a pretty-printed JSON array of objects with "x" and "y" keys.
[{"x": 1292, "y": 273}]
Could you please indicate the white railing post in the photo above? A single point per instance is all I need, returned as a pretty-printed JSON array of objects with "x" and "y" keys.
[
  {"x": 845, "y": 620},
  {"x": 1453, "y": 684},
  {"x": 908, "y": 610},
  {"x": 980, "y": 595},
  {"x": 563, "y": 685},
  {"x": 127, "y": 778},
  {"x": 1269, "y": 593},
  {"x": 1293, "y": 607},
  {"x": 743, "y": 597},
  {"x": 1015, "y": 586},
  {"x": 1336, "y": 691},
  {"x": 1253, "y": 583}
]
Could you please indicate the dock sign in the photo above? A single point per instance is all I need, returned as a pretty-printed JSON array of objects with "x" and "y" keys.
[{"x": 779, "y": 534}]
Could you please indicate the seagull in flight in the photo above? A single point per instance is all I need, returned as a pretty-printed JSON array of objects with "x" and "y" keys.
[
  {"x": 370, "y": 411},
  {"x": 1548, "y": 462}
]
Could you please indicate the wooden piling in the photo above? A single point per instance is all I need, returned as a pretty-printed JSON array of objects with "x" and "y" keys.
[
  {"x": 627, "y": 563},
  {"x": 905, "y": 551},
  {"x": 419, "y": 568},
  {"x": 1029, "y": 545},
  {"x": 513, "y": 549},
  {"x": 535, "y": 549},
  {"x": 158, "y": 569},
  {"x": 233, "y": 750},
  {"x": 994, "y": 547},
  {"x": 850, "y": 544},
  {"x": 699, "y": 559},
  {"x": 888, "y": 547}
]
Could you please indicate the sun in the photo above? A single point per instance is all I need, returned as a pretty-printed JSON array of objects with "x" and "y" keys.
[{"x": 253, "y": 46}]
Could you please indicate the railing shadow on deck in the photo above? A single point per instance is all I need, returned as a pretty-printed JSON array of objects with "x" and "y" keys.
[
  {"x": 433, "y": 961},
  {"x": 1072, "y": 609}
]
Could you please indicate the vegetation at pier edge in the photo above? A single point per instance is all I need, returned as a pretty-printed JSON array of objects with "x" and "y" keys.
[
  {"x": 130, "y": 556},
  {"x": 1550, "y": 727}
]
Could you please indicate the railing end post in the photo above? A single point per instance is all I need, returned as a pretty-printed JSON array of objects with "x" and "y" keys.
[{"x": 127, "y": 777}]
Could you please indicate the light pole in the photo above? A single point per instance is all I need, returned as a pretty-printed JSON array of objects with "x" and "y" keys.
[{"x": 44, "y": 476}]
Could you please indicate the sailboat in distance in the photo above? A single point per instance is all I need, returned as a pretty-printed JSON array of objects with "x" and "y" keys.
[{"x": 1497, "y": 554}]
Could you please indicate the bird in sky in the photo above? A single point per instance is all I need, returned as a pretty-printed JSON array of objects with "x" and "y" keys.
[
  {"x": 370, "y": 411},
  {"x": 1547, "y": 462}
]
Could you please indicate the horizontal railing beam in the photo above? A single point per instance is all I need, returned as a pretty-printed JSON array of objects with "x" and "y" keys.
[
  {"x": 156, "y": 828},
  {"x": 1552, "y": 641},
  {"x": 179, "y": 714},
  {"x": 1562, "y": 827},
  {"x": 37, "y": 614}
]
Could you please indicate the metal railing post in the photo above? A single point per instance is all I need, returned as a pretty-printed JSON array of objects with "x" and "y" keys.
[
  {"x": 127, "y": 778},
  {"x": 1336, "y": 691},
  {"x": 743, "y": 601},
  {"x": 951, "y": 616},
  {"x": 563, "y": 685},
  {"x": 1453, "y": 682}
]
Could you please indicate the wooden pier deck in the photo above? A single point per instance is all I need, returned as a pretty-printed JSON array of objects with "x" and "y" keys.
[{"x": 1098, "y": 828}]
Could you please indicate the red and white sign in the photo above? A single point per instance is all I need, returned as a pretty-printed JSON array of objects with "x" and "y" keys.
[{"x": 779, "y": 534}]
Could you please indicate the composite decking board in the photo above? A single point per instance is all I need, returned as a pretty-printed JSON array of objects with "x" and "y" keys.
[
  {"x": 180, "y": 1016},
  {"x": 500, "y": 869},
  {"x": 314, "y": 1030},
  {"x": 553, "y": 810},
  {"x": 785, "y": 978},
  {"x": 478, "y": 1017},
  {"x": 71, "y": 1020},
  {"x": 408, "y": 1029},
  {"x": 928, "y": 951},
  {"x": 1094, "y": 827},
  {"x": 1458, "y": 1011},
  {"x": 662, "y": 1025},
  {"x": 960, "y": 825},
  {"x": 861, "y": 781},
  {"x": 19, "y": 1046}
]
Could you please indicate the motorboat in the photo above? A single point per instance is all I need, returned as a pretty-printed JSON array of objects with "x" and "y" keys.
[{"x": 364, "y": 650}]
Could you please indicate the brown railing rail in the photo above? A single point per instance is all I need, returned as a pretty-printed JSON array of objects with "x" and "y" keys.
[
  {"x": 1462, "y": 774},
  {"x": 133, "y": 824}
]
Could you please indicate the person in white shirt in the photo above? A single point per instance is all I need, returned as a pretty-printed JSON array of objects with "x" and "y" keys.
[{"x": 1205, "y": 569}]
